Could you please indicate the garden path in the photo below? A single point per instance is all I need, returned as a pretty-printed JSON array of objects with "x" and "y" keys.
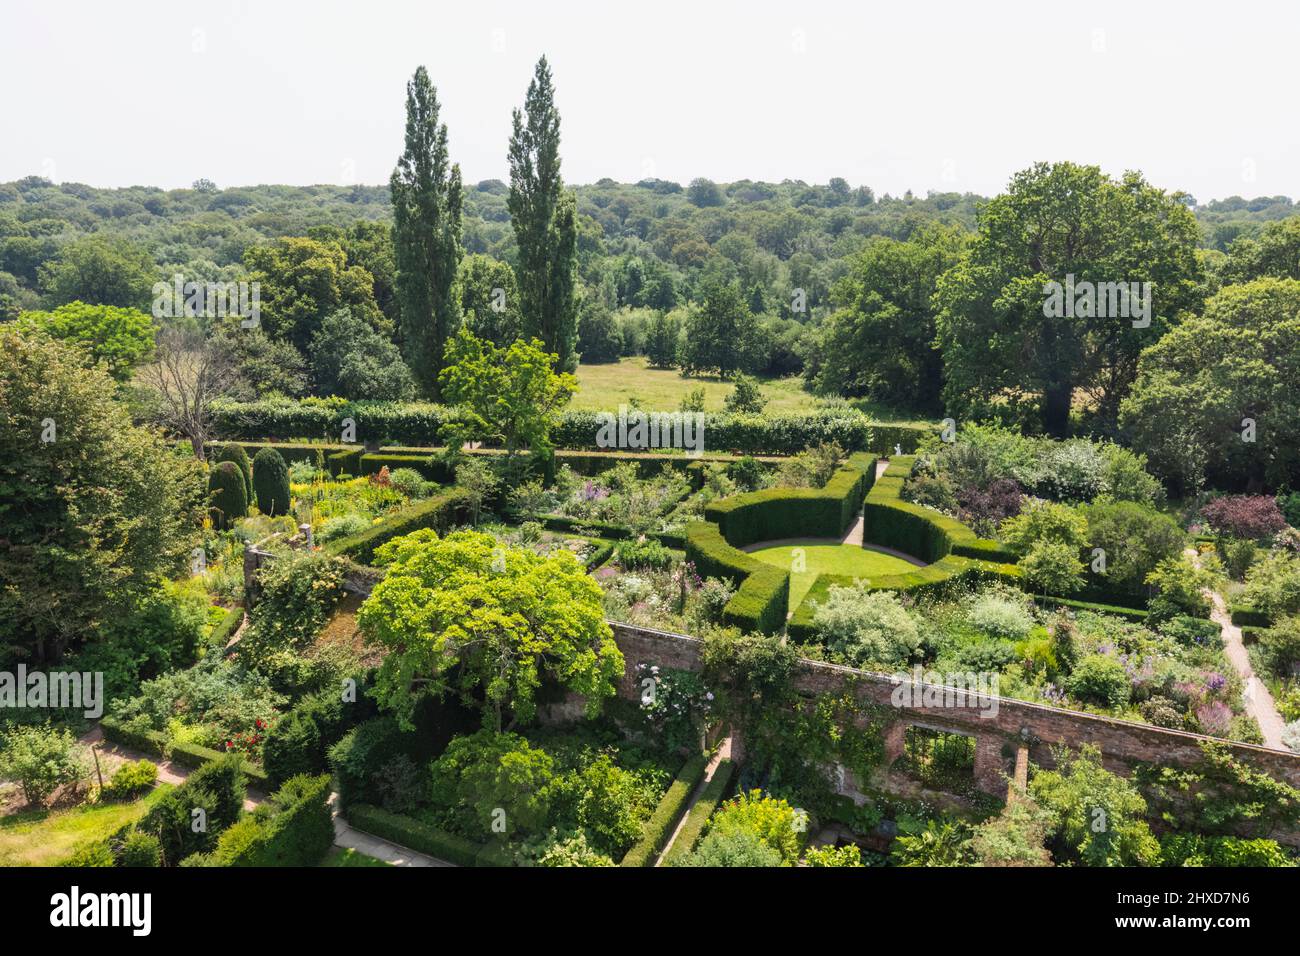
[
  {"x": 1259, "y": 702},
  {"x": 112, "y": 756},
  {"x": 724, "y": 753},
  {"x": 391, "y": 853}
]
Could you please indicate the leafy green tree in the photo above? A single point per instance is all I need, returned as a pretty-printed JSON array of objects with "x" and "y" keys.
[
  {"x": 1053, "y": 222},
  {"x": 100, "y": 270},
  {"x": 120, "y": 338},
  {"x": 94, "y": 509},
  {"x": 705, "y": 192},
  {"x": 879, "y": 343},
  {"x": 599, "y": 339},
  {"x": 1217, "y": 396},
  {"x": 745, "y": 397},
  {"x": 1134, "y": 538},
  {"x": 497, "y": 620},
  {"x": 661, "y": 340},
  {"x": 481, "y": 775},
  {"x": 427, "y": 197},
  {"x": 489, "y": 298},
  {"x": 349, "y": 358},
  {"x": 1100, "y": 818},
  {"x": 1276, "y": 253},
  {"x": 545, "y": 220},
  {"x": 261, "y": 365},
  {"x": 40, "y": 759},
  {"x": 510, "y": 395},
  {"x": 720, "y": 334},
  {"x": 301, "y": 282}
]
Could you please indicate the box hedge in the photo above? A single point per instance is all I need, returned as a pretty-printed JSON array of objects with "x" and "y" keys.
[
  {"x": 1243, "y": 615},
  {"x": 413, "y": 834},
  {"x": 660, "y": 826},
  {"x": 440, "y": 513},
  {"x": 693, "y": 827},
  {"x": 187, "y": 754},
  {"x": 293, "y": 828}
]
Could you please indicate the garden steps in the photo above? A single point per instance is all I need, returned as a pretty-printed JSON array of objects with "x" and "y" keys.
[
  {"x": 1258, "y": 700},
  {"x": 724, "y": 753}
]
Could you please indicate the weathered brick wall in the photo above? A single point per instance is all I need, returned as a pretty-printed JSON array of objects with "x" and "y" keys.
[{"x": 999, "y": 735}]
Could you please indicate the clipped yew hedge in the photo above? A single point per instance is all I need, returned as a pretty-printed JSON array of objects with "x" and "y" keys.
[
  {"x": 408, "y": 832},
  {"x": 763, "y": 590},
  {"x": 439, "y": 513},
  {"x": 693, "y": 828},
  {"x": 659, "y": 827},
  {"x": 776, "y": 513},
  {"x": 420, "y": 423}
]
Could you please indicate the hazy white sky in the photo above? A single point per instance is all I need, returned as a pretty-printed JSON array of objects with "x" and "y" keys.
[{"x": 921, "y": 95}]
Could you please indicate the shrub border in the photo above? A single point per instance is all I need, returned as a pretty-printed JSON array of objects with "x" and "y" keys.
[{"x": 659, "y": 827}]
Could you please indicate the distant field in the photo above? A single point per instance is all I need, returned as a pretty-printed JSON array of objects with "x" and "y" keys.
[
  {"x": 823, "y": 557},
  {"x": 605, "y": 387}
]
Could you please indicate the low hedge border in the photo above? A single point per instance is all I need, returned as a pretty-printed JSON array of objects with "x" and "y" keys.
[
  {"x": 220, "y": 635},
  {"x": 1132, "y": 613},
  {"x": 689, "y": 835},
  {"x": 411, "y": 833},
  {"x": 1252, "y": 635},
  {"x": 156, "y": 742},
  {"x": 291, "y": 452},
  {"x": 659, "y": 827},
  {"x": 1243, "y": 615},
  {"x": 439, "y": 512}
]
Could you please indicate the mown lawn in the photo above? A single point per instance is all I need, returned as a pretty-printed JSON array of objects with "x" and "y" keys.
[
  {"x": 821, "y": 557},
  {"x": 604, "y": 387},
  {"x": 47, "y": 838},
  {"x": 338, "y": 856}
]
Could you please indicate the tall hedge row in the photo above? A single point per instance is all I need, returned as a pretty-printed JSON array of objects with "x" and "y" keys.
[
  {"x": 293, "y": 828},
  {"x": 419, "y": 424},
  {"x": 776, "y": 513}
]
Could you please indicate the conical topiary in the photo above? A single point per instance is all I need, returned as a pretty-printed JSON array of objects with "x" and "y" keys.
[
  {"x": 227, "y": 493},
  {"x": 237, "y": 454},
  {"x": 271, "y": 482}
]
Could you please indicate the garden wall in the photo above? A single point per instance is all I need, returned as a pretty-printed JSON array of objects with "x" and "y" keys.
[{"x": 1016, "y": 724}]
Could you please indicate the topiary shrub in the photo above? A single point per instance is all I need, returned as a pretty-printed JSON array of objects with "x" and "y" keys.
[
  {"x": 239, "y": 456},
  {"x": 228, "y": 494},
  {"x": 271, "y": 482}
]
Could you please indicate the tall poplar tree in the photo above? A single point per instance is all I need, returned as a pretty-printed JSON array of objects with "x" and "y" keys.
[
  {"x": 427, "y": 198},
  {"x": 545, "y": 219}
]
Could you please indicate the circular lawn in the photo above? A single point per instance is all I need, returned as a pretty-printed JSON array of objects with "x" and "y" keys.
[{"x": 827, "y": 557}]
